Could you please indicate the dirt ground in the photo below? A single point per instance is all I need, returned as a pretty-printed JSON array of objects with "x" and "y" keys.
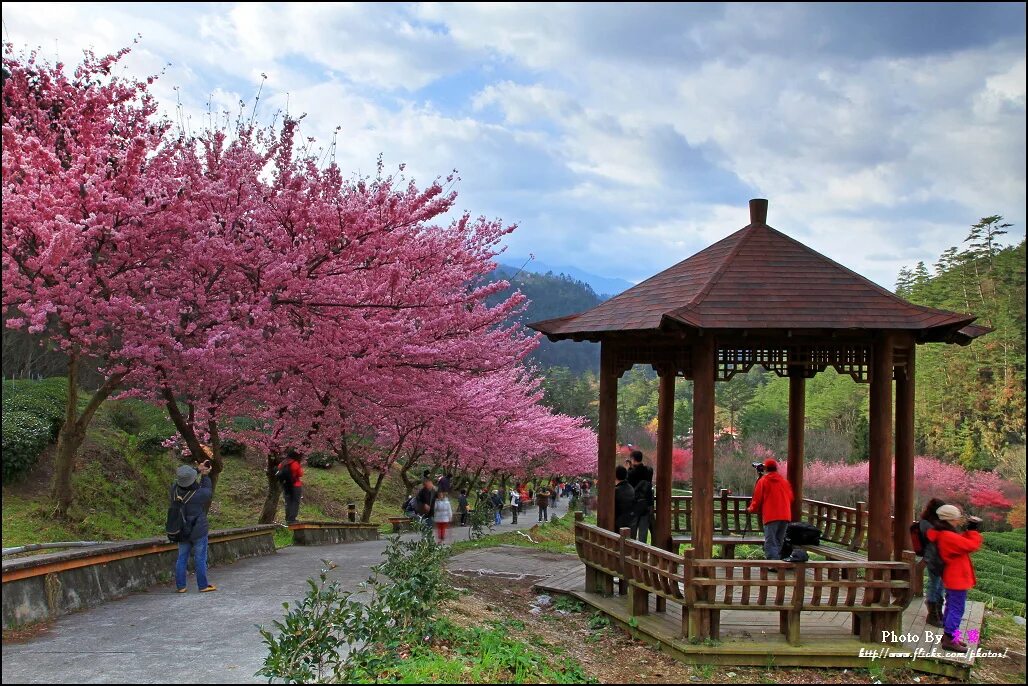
[{"x": 611, "y": 655}]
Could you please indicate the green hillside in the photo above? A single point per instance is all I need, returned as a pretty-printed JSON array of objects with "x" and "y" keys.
[{"x": 122, "y": 479}]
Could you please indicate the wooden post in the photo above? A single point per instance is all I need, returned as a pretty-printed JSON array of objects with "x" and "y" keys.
[
  {"x": 662, "y": 482},
  {"x": 879, "y": 527},
  {"x": 625, "y": 534},
  {"x": 797, "y": 413},
  {"x": 904, "y": 496},
  {"x": 607, "y": 438},
  {"x": 703, "y": 367},
  {"x": 703, "y": 447},
  {"x": 665, "y": 444}
]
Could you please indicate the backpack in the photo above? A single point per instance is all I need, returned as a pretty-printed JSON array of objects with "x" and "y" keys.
[
  {"x": 178, "y": 527},
  {"x": 284, "y": 474},
  {"x": 916, "y": 541},
  {"x": 802, "y": 533},
  {"x": 643, "y": 496}
]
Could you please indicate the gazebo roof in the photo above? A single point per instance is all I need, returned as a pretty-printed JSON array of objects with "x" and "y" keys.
[{"x": 759, "y": 278}]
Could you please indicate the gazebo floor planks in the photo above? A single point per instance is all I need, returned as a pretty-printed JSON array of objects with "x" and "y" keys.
[{"x": 751, "y": 637}]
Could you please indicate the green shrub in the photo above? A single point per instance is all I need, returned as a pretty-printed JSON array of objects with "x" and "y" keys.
[
  {"x": 1005, "y": 542},
  {"x": 44, "y": 399},
  {"x": 124, "y": 417},
  {"x": 25, "y": 436},
  {"x": 309, "y": 643},
  {"x": 320, "y": 460},
  {"x": 151, "y": 441},
  {"x": 232, "y": 447}
]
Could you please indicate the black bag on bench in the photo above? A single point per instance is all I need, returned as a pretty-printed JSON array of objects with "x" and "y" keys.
[{"x": 802, "y": 533}]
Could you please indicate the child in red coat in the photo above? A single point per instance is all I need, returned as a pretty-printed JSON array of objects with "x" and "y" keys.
[{"x": 955, "y": 548}]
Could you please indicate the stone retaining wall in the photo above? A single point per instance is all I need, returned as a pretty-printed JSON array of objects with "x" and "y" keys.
[
  {"x": 47, "y": 586},
  {"x": 328, "y": 533}
]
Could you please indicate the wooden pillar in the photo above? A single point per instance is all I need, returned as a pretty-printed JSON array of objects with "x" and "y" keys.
[
  {"x": 704, "y": 370},
  {"x": 665, "y": 444},
  {"x": 879, "y": 526},
  {"x": 662, "y": 479},
  {"x": 904, "y": 496},
  {"x": 703, "y": 447},
  {"x": 607, "y": 437},
  {"x": 797, "y": 414}
]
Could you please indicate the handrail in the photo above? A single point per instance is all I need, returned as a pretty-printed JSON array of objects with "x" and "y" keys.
[
  {"x": 840, "y": 524},
  {"x": 49, "y": 546},
  {"x": 700, "y": 584}
]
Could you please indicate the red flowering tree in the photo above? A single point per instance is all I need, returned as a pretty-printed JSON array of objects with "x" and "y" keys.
[{"x": 88, "y": 190}]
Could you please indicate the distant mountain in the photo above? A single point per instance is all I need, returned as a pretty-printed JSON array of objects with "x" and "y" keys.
[
  {"x": 604, "y": 286},
  {"x": 555, "y": 296}
]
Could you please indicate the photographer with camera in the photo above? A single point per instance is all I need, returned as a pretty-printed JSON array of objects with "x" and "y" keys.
[
  {"x": 190, "y": 497},
  {"x": 955, "y": 548},
  {"x": 772, "y": 500}
]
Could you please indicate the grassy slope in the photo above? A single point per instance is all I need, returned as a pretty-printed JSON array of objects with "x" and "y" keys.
[{"x": 121, "y": 492}]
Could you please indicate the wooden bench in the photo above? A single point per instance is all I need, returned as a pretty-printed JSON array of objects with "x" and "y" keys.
[
  {"x": 733, "y": 525},
  {"x": 400, "y": 524},
  {"x": 875, "y": 593},
  {"x": 843, "y": 529}
]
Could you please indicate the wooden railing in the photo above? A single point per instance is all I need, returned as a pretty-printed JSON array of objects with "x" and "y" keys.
[
  {"x": 844, "y": 526},
  {"x": 875, "y": 593},
  {"x": 730, "y": 515}
]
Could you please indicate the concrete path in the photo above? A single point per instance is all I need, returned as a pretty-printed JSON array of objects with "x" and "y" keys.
[{"x": 160, "y": 636}]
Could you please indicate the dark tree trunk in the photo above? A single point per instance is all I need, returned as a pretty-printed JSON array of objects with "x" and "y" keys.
[
  {"x": 73, "y": 432},
  {"x": 270, "y": 508},
  {"x": 217, "y": 462}
]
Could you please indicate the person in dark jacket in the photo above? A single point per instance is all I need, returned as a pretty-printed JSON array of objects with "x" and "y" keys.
[
  {"x": 640, "y": 477},
  {"x": 496, "y": 500},
  {"x": 462, "y": 507},
  {"x": 196, "y": 490},
  {"x": 772, "y": 500},
  {"x": 933, "y": 561},
  {"x": 624, "y": 500},
  {"x": 426, "y": 500}
]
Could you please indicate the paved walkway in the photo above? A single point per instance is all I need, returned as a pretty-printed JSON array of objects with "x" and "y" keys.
[{"x": 160, "y": 636}]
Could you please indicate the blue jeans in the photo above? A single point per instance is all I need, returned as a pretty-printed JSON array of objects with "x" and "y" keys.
[
  {"x": 955, "y": 601},
  {"x": 774, "y": 537},
  {"x": 497, "y": 517},
  {"x": 199, "y": 550},
  {"x": 934, "y": 590}
]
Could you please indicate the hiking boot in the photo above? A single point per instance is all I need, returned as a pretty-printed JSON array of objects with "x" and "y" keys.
[
  {"x": 948, "y": 643},
  {"x": 210, "y": 587},
  {"x": 934, "y": 614}
]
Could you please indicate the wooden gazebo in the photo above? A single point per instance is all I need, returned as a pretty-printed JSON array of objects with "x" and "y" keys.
[{"x": 759, "y": 297}]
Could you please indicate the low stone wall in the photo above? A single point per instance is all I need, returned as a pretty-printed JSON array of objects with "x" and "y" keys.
[
  {"x": 329, "y": 533},
  {"x": 47, "y": 586}
]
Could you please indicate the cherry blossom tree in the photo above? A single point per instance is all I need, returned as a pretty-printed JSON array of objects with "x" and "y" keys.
[{"x": 88, "y": 194}]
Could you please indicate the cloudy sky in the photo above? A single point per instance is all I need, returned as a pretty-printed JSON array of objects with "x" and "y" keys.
[{"x": 624, "y": 138}]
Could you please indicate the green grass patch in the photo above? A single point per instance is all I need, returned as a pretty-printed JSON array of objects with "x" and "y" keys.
[
  {"x": 122, "y": 479},
  {"x": 483, "y": 655},
  {"x": 557, "y": 535}
]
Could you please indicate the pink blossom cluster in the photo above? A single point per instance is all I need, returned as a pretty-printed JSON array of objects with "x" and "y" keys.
[
  {"x": 980, "y": 492},
  {"x": 232, "y": 272}
]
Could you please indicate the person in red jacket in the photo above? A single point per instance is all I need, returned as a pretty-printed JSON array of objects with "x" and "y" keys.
[
  {"x": 955, "y": 548},
  {"x": 772, "y": 500},
  {"x": 292, "y": 489}
]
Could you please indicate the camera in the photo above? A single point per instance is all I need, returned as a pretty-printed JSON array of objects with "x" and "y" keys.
[
  {"x": 974, "y": 523},
  {"x": 759, "y": 466}
]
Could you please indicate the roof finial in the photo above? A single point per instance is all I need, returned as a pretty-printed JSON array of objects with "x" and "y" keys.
[{"x": 758, "y": 211}]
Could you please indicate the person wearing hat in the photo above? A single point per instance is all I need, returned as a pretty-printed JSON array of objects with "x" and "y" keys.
[
  {"x": 193, "y": 486},
  {"x": 772, "y": 500},
  {"x": 955, "y": 548}
]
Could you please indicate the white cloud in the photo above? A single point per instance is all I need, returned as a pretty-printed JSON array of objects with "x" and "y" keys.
[{"x": 624, "y": 137}]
